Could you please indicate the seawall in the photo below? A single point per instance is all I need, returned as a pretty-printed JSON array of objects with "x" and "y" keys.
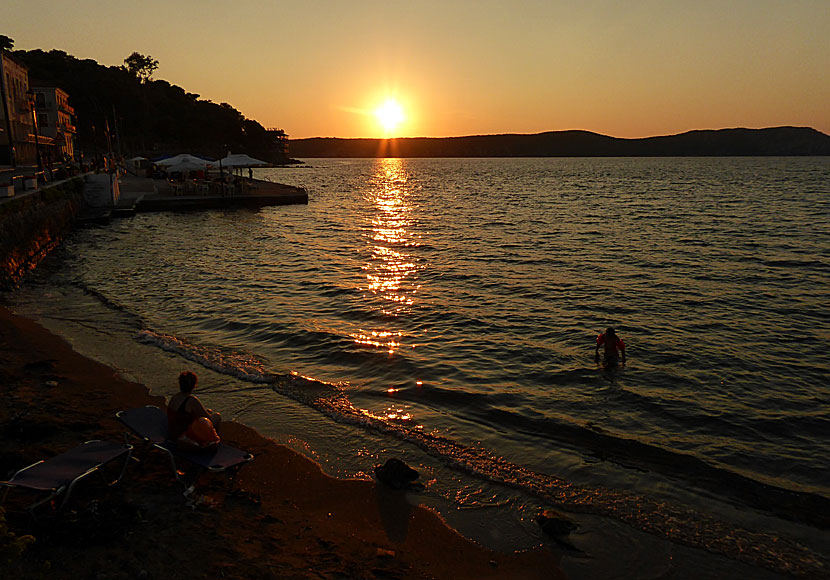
[{"x": 33, "y": 224}]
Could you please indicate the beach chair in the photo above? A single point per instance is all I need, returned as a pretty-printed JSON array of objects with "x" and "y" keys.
[
  {"x": 150, "y": 425},
  {"x": 59, "y": 474}
]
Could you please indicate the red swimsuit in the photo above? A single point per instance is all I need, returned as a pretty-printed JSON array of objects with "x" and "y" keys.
[{"x": 611, "y": 347}]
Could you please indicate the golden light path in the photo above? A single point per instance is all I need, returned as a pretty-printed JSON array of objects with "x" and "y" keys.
[
  {"x": 390, "y": 269},
  {"x": 389, "y": 265}
]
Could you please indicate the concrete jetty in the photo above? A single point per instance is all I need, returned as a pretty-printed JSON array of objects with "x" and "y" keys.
[{"x": 143, "y": 194}]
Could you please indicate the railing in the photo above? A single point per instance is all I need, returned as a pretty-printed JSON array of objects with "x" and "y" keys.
[{"x": 204, "y": 187}]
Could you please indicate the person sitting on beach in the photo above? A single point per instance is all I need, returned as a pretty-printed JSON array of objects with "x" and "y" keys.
[
  {"x": 188, "y": 421},
  {"x": 614, "y": 347}
]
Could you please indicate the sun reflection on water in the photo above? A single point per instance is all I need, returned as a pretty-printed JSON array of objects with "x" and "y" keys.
[
  {"x": 390, "y": 271},
  {"x": 390, "y": 268}
]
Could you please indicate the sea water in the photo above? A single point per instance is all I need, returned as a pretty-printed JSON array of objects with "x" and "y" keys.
[{"x": 445, "y": 311}]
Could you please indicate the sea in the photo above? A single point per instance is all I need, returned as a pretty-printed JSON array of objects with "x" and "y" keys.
[{"x": 445, "y": 312}]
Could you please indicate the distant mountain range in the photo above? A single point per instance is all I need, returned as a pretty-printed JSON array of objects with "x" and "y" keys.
[{"x": 722, "y": 142}]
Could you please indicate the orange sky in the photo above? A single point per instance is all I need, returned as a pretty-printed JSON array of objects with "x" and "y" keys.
[{"x": 627, "y": 69}]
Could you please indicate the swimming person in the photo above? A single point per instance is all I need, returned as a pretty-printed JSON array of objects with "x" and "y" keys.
[
  {"x": 188, "y": 421},
  {"x": 614, "y": 347}
]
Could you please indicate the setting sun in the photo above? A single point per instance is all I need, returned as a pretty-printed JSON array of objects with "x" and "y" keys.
[{"x": 390, "y": 115}]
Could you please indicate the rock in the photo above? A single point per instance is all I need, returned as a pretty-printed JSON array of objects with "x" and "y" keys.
[
  {"x": 396, "y": 474},
  {"x": 555, "y": 524}
]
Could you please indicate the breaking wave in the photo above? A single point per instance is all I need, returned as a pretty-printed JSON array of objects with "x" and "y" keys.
[{"x": 675, "y": 522}]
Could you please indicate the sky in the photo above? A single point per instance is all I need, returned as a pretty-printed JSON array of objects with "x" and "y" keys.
[{"x": 625, "y": 68}]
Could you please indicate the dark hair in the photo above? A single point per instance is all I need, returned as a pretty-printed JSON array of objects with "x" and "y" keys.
[
  {"x": 610, "y": 331},
  {"x": 187, "y": 381}
]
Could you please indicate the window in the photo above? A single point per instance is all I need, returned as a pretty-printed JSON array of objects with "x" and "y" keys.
[
  {"x": 40, "y": 100},
  {"x": 42, "y": 120}
]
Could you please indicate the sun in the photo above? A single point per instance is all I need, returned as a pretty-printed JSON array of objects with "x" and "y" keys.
[{"x": 390, "y": 115}]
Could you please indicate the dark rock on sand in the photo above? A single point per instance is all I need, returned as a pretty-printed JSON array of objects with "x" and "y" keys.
[
  {"x": 396, "y": 474},
  {"x": 558, "y": 526},
  {"x": 555, "y": 524}
]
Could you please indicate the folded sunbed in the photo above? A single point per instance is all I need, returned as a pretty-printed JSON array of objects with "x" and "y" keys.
[
  {"x": 60, "y": 473},
  {"x": 150, "y": 424}
]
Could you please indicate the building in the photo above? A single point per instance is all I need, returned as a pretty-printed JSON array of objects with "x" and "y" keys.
[
  {"x": 17, "y": 145},
  {"x": 280, "y": 144},
  {"x": 56, "y": 121}
]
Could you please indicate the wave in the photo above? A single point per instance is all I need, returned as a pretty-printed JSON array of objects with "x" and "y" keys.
[
  {"x": 594, "y": 440},
  {"x": 108, "y": 302},
  {"x": 242, "y": 366},
  {"x": 675, "y": 522}
]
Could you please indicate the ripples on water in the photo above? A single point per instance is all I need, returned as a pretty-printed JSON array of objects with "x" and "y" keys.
[{"x": 454, "y": 303}]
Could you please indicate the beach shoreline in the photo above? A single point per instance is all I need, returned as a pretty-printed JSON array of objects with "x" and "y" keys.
[{"x": 280, "y": 516}]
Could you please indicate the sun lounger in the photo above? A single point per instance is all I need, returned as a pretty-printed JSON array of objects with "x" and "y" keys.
[
  {"x": 62, "y": 472},
  {"x": 150, "y": 424}
]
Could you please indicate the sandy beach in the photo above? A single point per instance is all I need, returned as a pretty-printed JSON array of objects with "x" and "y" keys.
[{"x": 279, "y": 517}]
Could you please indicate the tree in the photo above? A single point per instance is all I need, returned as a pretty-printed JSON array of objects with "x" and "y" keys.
[
  {"x": 154, "y": 117},
  {"x": 141, "y": 66},
  {"x": 6, "y": 43}
]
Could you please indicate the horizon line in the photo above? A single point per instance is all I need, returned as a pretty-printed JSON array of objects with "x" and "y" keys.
[{"x": 564, "y": 131}]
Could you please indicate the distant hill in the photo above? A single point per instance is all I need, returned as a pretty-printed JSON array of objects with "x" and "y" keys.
[{"x": 723, "y": 142}]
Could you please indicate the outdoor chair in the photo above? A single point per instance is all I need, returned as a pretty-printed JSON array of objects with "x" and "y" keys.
[
  {"x": 150, "y": 425},
  {"x": 59, "y": 474}
]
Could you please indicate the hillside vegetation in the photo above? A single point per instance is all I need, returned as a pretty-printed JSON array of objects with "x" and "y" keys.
[{"x": 152, "y": 117}]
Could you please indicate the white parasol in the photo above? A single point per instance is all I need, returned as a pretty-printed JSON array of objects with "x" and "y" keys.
[
  {"x": 238, "y": 160},
  {"x": 185, "y": 166},
  {"x": 184, "y": 157}
]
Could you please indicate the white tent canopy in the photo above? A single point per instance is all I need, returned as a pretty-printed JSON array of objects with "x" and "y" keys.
[
  {"x": 238, "y": 160},
  {"x": 182, "y": 157},
  {"x": 184, "y": 166}
]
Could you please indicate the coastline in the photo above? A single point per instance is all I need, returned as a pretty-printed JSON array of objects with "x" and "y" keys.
[{"x": 280, "y": 516}]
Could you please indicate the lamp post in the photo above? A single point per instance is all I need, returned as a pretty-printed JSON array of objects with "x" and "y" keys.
[
  {"x": 31, "y": 94},
  {"x": 4, "y": 97}
]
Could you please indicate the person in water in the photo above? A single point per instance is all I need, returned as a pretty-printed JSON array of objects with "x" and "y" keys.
[
  {"x": 188, "y": 421},
  {"x": 614, "y": 347}
]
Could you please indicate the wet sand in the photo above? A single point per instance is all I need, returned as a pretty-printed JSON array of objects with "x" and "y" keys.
[{"x": 278, "y": 517}]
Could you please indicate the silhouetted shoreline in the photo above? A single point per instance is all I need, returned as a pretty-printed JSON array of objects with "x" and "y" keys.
[{"x": 774, "y": 141}]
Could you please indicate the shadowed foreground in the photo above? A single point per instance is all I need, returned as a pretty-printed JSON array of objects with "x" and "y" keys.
[{"x": 280, "y": 517}]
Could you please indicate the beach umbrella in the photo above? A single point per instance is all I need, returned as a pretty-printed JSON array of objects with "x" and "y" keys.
[
  {"x": 185, "y": 166},
  {"x": 182, "y": 157},
  {"x": 239, "y": 160}
]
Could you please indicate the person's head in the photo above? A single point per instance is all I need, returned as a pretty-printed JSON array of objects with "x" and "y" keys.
[
  {"x": 610, "y": 332},
  {"x": 187, "y": 381}
]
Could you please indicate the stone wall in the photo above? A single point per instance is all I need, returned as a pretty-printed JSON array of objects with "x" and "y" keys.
[{"x": 32, "y": 225}]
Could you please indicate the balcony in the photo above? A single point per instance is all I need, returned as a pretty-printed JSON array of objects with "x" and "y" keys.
[{"x": 42, "y": 140}]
